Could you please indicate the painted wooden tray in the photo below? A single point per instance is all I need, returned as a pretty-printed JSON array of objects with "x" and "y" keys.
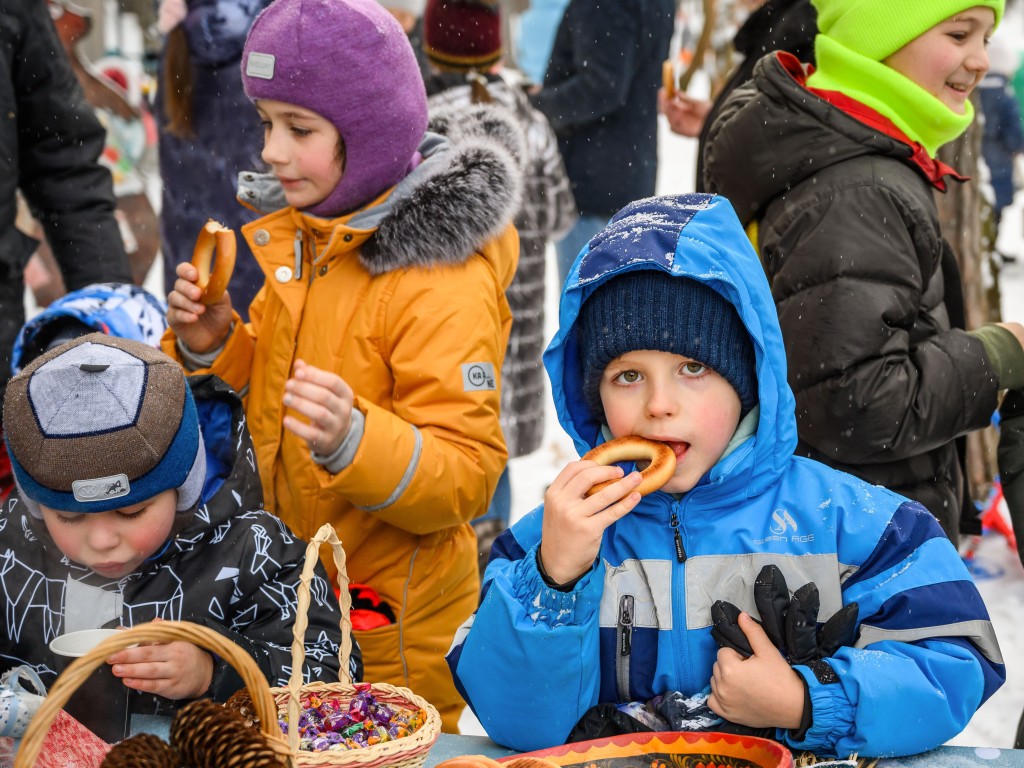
[{"x": 676, "y": 749}]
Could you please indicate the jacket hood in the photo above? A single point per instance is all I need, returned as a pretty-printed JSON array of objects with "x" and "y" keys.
[
  {"x": 465, "y": 191},
  {"x": 773, "y": 133},
  {"x": 697, "y": 237},
  {"x": 117, "y": 309}
]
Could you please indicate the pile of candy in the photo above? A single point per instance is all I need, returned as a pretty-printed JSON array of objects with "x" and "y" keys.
[{"x": 334, "y": 725}]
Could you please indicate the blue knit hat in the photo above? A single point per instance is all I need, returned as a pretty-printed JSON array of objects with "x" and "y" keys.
[
  {"x": 103, "y": 423},
  {"x": 650, "y": 309}
]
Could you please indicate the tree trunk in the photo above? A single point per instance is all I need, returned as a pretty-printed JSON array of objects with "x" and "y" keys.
[{"x": 966, "y": 219}]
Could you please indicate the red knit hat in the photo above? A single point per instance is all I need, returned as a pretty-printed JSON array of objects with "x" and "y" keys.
[{"x": 462, "y": 34}]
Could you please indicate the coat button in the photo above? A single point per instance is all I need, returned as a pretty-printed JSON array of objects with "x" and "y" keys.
[
  {"x": 283, "y": 274},
  {"x": 347, "y": 238},
  {"x": 261, "y": 237},
  {"x": 323, "y": 270}
]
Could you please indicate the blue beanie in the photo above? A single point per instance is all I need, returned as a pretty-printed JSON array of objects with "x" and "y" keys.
[
  {"x": 103, "y": 423},
  {"x": 650, "y": 309}
]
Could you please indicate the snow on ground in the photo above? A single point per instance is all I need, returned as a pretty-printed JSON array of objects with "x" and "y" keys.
[{"x": 998, "y": 571}]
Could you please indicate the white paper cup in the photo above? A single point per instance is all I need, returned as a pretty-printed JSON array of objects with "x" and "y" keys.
[
  {"x": 75, "y": 644},
  {"x": 101, "y": 702}
]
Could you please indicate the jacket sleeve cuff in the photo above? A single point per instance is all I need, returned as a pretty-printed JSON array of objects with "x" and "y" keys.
[
  {"x": 196, "y": 361},
  {"x": 567, "y": 586},
  {"x": 831, "y": 716},
  {"x": 549, "y": 605},
  {"x": 345, "y": 452},
  {"x": 1004, "y": 353}
]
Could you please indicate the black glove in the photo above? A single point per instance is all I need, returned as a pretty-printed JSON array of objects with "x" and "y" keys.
[
  {"x": 791, "y": 623},
  {"x": 1010, "y": 456}
]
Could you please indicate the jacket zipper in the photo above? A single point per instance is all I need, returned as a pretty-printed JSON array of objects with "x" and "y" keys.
[
  {"x": 625, "y": 638},
  {"x": 677, "y": 537}
]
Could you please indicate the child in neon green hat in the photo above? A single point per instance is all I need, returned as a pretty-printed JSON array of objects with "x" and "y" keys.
[{"x": 836, "y": 167}]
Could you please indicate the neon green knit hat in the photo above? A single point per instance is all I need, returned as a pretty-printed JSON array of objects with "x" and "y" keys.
[
  {"x": 878, "y": 28},
  {"x": 854, "y": 36}
]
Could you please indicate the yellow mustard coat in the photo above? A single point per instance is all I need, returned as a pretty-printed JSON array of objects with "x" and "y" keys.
[{"x": 417, "y": 325}]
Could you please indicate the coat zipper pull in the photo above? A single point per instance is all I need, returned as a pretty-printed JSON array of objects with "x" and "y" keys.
[
  {"x": 680, "y": 550},
  {"x": 298, "y": 254},
  {"x": 626, "y": 624}
]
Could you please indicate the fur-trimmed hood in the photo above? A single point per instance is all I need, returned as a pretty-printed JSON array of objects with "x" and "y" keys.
[{"x": 466, "y": 190}]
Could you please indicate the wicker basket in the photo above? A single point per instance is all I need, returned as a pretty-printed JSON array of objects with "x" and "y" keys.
[
  {"x": 407, "y": 752},
  {"x": 155, "y": 632}
]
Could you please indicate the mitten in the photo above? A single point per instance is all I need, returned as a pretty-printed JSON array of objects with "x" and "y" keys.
[{"x": 791, "y": 623}]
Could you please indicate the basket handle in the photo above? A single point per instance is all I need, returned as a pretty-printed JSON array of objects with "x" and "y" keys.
[
  {"x": 329, "y": 535},
  {"x": 154, "y": 632}
]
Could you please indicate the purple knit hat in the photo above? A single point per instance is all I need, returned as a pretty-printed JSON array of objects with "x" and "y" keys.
[{"x": 351, "y": 62}]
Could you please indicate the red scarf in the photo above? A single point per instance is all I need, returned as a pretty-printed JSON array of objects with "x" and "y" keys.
[{"x": 934, "y": 170}]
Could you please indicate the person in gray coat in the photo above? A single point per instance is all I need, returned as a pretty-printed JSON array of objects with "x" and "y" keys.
[{"x": 464, "y": 46}]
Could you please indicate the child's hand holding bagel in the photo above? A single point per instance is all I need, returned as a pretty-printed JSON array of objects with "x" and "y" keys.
[
  {"x": 199, "y": 306},
  {"x": 576, "y": 512}
]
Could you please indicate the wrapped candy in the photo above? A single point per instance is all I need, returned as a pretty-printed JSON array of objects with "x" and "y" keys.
[{"x": 361, "y": 722}]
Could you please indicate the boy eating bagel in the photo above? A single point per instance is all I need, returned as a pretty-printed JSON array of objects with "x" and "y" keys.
[{"x": 668, "y": 332}]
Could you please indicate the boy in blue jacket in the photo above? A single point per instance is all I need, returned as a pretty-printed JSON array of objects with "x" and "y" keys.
[{"x": 668, "y": 331}]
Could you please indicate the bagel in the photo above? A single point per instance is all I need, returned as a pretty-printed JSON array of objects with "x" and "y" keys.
[
  {"x": 668, "y": 78},
  {"x": 213, "y": 282},
  {"x": 659, "y": 470}
]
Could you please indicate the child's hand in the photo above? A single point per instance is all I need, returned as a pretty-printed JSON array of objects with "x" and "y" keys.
[
  {"x": 762, "y": 691},
  {"x": 176, "y": 670},
  {"x": 573, "y": 525},
  {"x": 326, "y": 400},
  {"x": 201, "y": 327}
]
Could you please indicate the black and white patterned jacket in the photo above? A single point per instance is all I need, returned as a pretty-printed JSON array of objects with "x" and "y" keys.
[{"x": 233, "y": 567}]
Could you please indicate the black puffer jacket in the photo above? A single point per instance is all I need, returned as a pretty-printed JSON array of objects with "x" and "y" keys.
[
  {"x": 778, "y": 25},
  {"x": 49, "y": 141},
  {"x": 233, "y": 568},
  {"x": 867, "y": 290}
]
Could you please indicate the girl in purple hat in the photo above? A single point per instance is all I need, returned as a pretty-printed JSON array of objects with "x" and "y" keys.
[{"x": 371, "y": 361}]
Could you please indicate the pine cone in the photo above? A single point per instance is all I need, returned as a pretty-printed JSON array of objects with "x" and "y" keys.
[
  {"x": 206, "y": 735},
  {"x": 143, "y": 750},
  {"x": 241, "y": 702}
]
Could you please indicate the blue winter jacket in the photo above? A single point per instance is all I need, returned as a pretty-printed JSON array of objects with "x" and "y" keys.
[{"x": 533, "y": 659}]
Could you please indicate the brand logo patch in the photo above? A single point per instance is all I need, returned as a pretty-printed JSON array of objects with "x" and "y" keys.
[
  {"x": 260, "y": 65},
  {"x": 478, "y": 377},
  {"x": 781, "y": 521},
  {"x": 101, "y": 488},
  {"x": 783, "y": 528}
]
